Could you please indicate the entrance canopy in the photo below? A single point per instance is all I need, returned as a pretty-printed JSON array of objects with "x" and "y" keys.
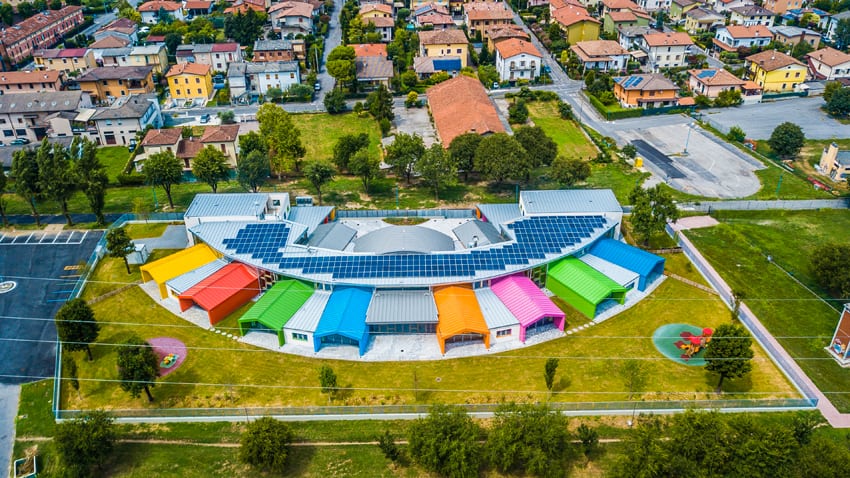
[
  {"x": 582, "y": 286},
  {"x": 458, "y": 314},
  {"x": 277, "y": 306},
  {"x": 223, "y": 292},
  {"x": 177, "y": 264},
  {"x": 526, "y": 302},
  {"x": 345, "y": 316},
  {"x": 645, "y": 264}
]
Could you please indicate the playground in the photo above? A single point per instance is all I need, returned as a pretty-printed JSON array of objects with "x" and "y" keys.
[{"x": 682, "y": 343}]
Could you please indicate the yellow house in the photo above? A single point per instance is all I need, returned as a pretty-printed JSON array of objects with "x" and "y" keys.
[
  {"x": 645, "y": 91},
  {"x": 443, "y": 43},
  {"x": 107, "y": 82},
  {"x": 66, "y": 59},
  {"x": 150, "y": 55},
  {"x": 189, "y": 81},
  {"x": 775, "y": 71},
  {"x": 577, "y": 24},
  {"x": 375, "y": 10}
]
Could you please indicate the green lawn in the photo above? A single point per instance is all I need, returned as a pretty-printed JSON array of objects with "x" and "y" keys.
[
  {"x": 145, "y": 230},
  {"x": 320, "y": 132},
  {"x": 571, "y": 140},
  {"x": 114, "y": 159},
  {"x": 801, "y": 322},
  {"x": 111, "y": 274}
]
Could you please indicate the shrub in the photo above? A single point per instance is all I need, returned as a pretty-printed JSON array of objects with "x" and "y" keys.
[{"x": 131, "y": 179}]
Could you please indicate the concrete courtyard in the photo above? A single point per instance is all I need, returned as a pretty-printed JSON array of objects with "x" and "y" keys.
[{"x": 759, "y": 120}]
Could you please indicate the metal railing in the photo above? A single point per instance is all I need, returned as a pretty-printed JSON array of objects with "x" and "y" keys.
[{"x": 378, "y": 213}]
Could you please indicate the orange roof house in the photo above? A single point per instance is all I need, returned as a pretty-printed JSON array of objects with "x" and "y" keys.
[
  {"x": 370, "y": 49},
  {"x": 458, "y": 313},
  {"x": 461, "y": 105}
]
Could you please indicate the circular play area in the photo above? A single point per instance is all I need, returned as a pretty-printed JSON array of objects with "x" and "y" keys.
[
  {"x": 682, "y": 343},
  {"x": 170, "y": 352}
]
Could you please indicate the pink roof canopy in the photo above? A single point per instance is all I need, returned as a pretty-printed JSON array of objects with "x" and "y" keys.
[{"x": 526, "y": 302}]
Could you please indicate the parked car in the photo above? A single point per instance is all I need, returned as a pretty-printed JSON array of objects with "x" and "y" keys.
[
  {"x": 20, "y": 141},
  {"x": 132, "y": 145},
  {"x": 205, "y": 118},
  {"x": 317, "y": 86}
]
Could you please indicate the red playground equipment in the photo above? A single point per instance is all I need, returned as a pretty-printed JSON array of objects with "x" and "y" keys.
[{"x": 691, "y": 344}]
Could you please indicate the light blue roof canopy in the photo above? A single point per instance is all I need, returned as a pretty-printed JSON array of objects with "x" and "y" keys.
[{"x": 345, "y": 316}]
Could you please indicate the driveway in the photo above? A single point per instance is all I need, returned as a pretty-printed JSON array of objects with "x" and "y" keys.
[
  {"x": 759, "y": 120},
  {"x": 9, "y": 396},
  {"x": 414, "y": 121}
]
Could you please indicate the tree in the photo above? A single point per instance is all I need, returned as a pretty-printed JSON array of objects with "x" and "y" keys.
[
  {"x": 274, "y": 94},
  {"x": 340, "y": 64},
  {"x": 172, "y": 41},
  {"x": 804, "y": 424},
  {"x": 85, "y": 442},
  {"x": 27, "y": 185},
  {"x": 92, "y": 175},
  {"x": 569, "y": 171},
  {"x": 319, "y": 173},
  {"x": 842, "y": 32},
  {"x": 244, "y": 28},
  {"x": 830, "y": 266},
  {"x": 839, "y": 103},
  {"x": 57, "y": 176},
  {"x": 282, "y": 137},
  {"x": 403, "y": 154},
  {"x": 165, "y": 170},
  {"x": 26, "y": 10},
  {"x": 252, "y": 141},
  {"x": 634, "y": 376},
  {"x": 227, "y": 117},
  {"x": 437, "y": 168},
  {"x": 500, "y": 157},
  {"x": 565, "y": 111},
  {"x": 76, "y": 326},
  {"x": 380, "y": 103},
  {"x": 549, "y": 370},
  {"x": 786, "y": 140},
  {"x": 539, "y": 146},
  {"x": 138, "y": 367},
  {"x": 118, "y": 244},
  {"x": 365, "y": 167},
  {"x": 589, "y": 439},
  {"x": 210, "y": 166},
  {"x": 3, "y": 182},
  {"x": 729, "y": 353},
  {"x": 736, "y": 134},
  {"x": 387, "y": 445},
  {"x": 652, "y": 209},
  {"x": 252, "y": 170},
  {"x": 346, "y": 146},
  {"x": 409, "y": 80},
  {"x": 462, "y": 150},
  {"x": 488, "y": 75},
  {"x": 327, "y": 379},
  {"x": 801, "y": 49},
  {"x": 335, "y": 102},
  {"x": 643, "y": 454},
  {"x": 7, "y": 14},
  {"x": 728, "y": 98},
  {"x": 412, "y": 100},
  {"x": 518, "y": 112},
  {"x": 447, "y": 442},
  {"x": 629, "y": 151},
  {"x": 530, "y": 439},
  {"x": 265, "y": 444}
]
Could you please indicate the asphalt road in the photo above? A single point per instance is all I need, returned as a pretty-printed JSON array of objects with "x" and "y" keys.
[{"x": 759, "y": 120}]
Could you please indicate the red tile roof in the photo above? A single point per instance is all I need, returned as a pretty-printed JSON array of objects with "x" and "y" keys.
[
  {"x": 189, "y": 69},
  {"x": 110, "y": 42},
  {"x": 223, "y": 47},
  {"x": 772, "y": 60},
  {"x": 220, "y": 134},
  {"x": 370, "y": 49},
  {"x": 461, "y": 105},
  {"x": 571, "y": 14},
  {"x": 668, "y": 39},
  {"x": 156, "y": 5},
  {"x": 24, "y": 28},
  {"x": 162, "y": 137},
  {"x": 515, "y": 46},
  {"x": 24, "y": 77}
]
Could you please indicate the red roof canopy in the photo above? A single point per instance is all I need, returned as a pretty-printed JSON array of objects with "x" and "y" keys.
[{"x": 217, "y": 288}]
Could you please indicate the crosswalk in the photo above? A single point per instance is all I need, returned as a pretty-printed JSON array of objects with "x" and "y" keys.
[{"x": 43, "y": 238}]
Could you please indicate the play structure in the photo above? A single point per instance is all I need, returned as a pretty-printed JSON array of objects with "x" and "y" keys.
[
  {"x": 691, "y": 344},
  {"x": 683, "y": 343},
  {"x": 171, "y": 353},
  {"x": 838, "y": 347},
  {"x": 169, "y": 361}
]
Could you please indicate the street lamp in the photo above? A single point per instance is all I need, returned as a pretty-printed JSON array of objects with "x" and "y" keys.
[{"x": 688, "y": 138}]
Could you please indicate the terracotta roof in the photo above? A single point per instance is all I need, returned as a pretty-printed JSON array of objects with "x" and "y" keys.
[
  {"x": 752, "y": 11},
  {"x": 668, "y": 39},
  {"x": 18, "y": 77},
  {"x": 380, "y": 22},
  {"x": 198, "y": 5},
  {"x": 110, "y": 42},
  {"x": 594, "y": 49},
  {"x": 687, "y": 101},
  {"x": 292, "y": 9},
  {"x": 829, "y": 56},
  {"x": 497, "y": 32},
  {"x": 715, "y": 77},
  {"x": 772, "y": 60},
  {"x": 442, "y": 37},
  {"x": 220, "y": 134},
  {"x": 376, "y": 7},
  {"x": 155, "y": 38},
  {"x": 646, "y": 82},
  {"x": 751, "y": 85},
  {"x": 430, "y": 7},
  {"x": 162, "y": 137},
  {"x": 24, "y": 28},
  {"x": 188, "y": 148},
  {"x": 622, "y": 16},
  {"x": 189, "y": 69},
  {"x": 558, "y": 4},
  {"x": 156, "y": 5},
  {"x": 620, "y": 4},
  {"x": 120, "y": 23},
  {"x": 435, "y": 19},
  {"x": 244, "y": 7},
  {"x": 487, "y": 11},
  {"x": 571, "y": 14},
  {"x": 461, "y": 105},
  {"x": 61, "y": 53},
  {"x": 515, "y": 46},
  {"x": 222, "y": 47},
  {"x": 370, "y": 49},
  {"x": 754, "y": 31},
  {"x": 117, "y": 73}
]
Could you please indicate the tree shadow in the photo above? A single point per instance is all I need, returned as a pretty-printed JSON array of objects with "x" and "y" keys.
[
  {"x": 736, "y": 385},
  {"x": 562, "y": 384},
  {"x": 298, "y": 462},
  {"x": 343, "y": 393}
]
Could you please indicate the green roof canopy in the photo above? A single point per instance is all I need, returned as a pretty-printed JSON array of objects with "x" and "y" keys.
[
  {"x": 584, "y": 281},
  {"x": 277, "y": 306}
]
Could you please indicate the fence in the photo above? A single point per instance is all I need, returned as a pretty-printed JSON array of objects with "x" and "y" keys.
[
  {"x": 799, "y": 205},
  {"x": 377, "y": 213},
  {"x": 746, "y": 316},
  {"x": 779, "y": 96}
]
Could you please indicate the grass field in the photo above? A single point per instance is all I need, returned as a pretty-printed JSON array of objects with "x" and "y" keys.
[
  {"x": 796, "y": 316},
  {"x": 111, "y": 274},
  {"x": 320, "y": 132},
  {"x": 145, "y": 230},
  {"x": 572, "y": 143},
  {"x": 114, "y": 159}
]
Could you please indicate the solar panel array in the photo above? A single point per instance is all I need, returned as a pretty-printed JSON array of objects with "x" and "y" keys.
[
  {"x": 632, "y": 81},
  {"x": 536, "y": 237},
  {"x": 706, "y": 74}
]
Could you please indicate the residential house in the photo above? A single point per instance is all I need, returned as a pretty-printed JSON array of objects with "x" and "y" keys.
[
  {"x": 110, "y": 57},
  {"x": 791, "y": 36},
  {"x": 436, "y": 21},
  {"x": 518, "y": 60},
  {"x": 775, "y": 71},
  {"x": 375, "y": 10},
  {"x": 158, "y": 141},
  {"x": 415, "y": 5},
  {"x": 383, "y": 25},
  {"x": 701, "y": 20},
  {"x": 678, "y": 9},
  {"x": 197, "y": 8},
  {"x": 832, "y": 24},
  {"x": 292, "y": 18},
  {"x": 151, "y": 10},
  {"x": 498, "y": 33},
  {"x": 218, "y": 55},
  {"x": 40, "y": 31},
  {"x": 425, "y": 66},
  {"x": 30, "y": 81},
  {"x": 461, "y": 105},
  {"x": 835, "y": 163},
  {"x": 645, "y": 91},
  {"x": 155, "y": 40},
  {"x": 428, "y": 8},
  {"x": 362, "y": 50},
  {"x": 242, "y": 6},
  {"x": 779, "y": 7},
  {"x": 738, "y": 36},
  {"x": 65, "y": 60},
  {"x": 479, "y": 16},
  {"x": 122, "y": 28},
  {"x": 238, "y": 81},
  {"x": 711, "y": 82},
  {"x": 108, "y": 82},
  {"x": 619, "y": 6},
  {"x": 828, "y": 64},
  {"x": 272, "y": 74},
  {"x": 667, "y": 50},
  {"x": 813, "y": 16},
  {"x": 189, "y": 81},
  {"x": 25, "y": 115},
  {"x": 603, "y": 55},
  {"x": 654, "y": 5},
  {"x": 751, "y": 15},
  {"x": 119, "y": 123},
  {"x": 724, "y": 6},
  {"x": 372, "y": 71},
  {"x": 631, "y": 38},
  {"x": 149, "y": 55},
  {"x": 614, "y": 20},
  {"x": 222, "y": 138},
  {"x": 278, "y": 50},
  {"x": 105, "y": 45},
  {"x": 577, "y": 24},
  {"x": 444, "y": 43}
]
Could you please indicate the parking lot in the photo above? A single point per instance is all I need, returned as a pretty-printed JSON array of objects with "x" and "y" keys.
[
  {"x": 415, "y": 121},
  {"x": 759, "y": 120}
]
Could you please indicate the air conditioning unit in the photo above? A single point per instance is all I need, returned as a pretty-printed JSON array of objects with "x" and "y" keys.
[{"x": 304, "y": 200}]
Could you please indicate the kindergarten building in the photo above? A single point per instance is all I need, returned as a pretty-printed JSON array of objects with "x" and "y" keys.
[{"x": 322, "y": 278}]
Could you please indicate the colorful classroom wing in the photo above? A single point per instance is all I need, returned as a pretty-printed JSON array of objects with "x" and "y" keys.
[
  {"x": 222, "y": 293},
  {"x": 459, "y": 315},
  {"x": 527, "y": 303},
  {"x": 176, "y": 264},
  {"x": 582, "y": 286},
  {"x": 276, "y": 307},
  {"x": 647, "y": 265},
  {"x": 343, "y": 321}
]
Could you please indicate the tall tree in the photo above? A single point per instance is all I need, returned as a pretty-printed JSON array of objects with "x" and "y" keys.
[
  {"x": 76, "y": 326},
  {"x": 282, "y": 137},
  {"x": 138, "y": 367},
  {"x": 252, "y": 141},
  {"x": 328, "y": 381},
  {"x": 447, "y": 442},
  {"x": 462, "y": 149},
  {"x": 210, "y": 166},
  {"x": 165, "y": 170},
  {"x": 92, "y": 175},
  {"x": 265, "y": 444},
  {"x": 839, "y": 103},
  {"x": 335, "y": 102},
  {"x": 7, "y": 14},
  {"x": 57, "y": 175},
  {"x": 500, "y": 157},
  {"x": 252, "y": 170},
  {"x": 26, "y": 10},
  {"x": 85, "y": 442},
  {"x": 437, "y": 169},
  {"x": 380, "y": 103},
  {"x": 118, "y": 244},
  {"x": 340, "y": 65},
  {"x": 3, "y": 182},
  {"x": 366, "y": 167},
  {"x": 541, "y": 149},
  {"x": 787, "y": 140},
  {"x": 346, "y": 146},
  {"x": 729, "y": 353},
  {"x": 403, "y": 154},
  {"x": 830, "y": 266},
  {"x": 172, "y": 41},
  {"x": 319, "y": 173},
  {"x": 569, "y": 171},
  {"x": 652, "y": 209},
  {"x": 550, "y": 368},
  {"x": 643, "y": 454},
  {"x": 842, "y": 33},
  {"x": 27, "y": 185}
]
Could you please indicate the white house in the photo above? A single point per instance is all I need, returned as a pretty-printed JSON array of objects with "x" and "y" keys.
[
  {"x": 272, "y": 74},
  {"x": 292, "y": 17},
  {"x": 601, "y": 55},
  {"x": 237, "y": 79},
  {"x": 751, "y": 15},
  {"x": 833, "y": 24},
  {"x": 828, "y": 64},
  {"x": 732, "y": 37},
  {"x": 517, "y": 60},
  {"x": 667, "y": 50},
  {"x": 150, "y": 11},
  {"x": 119, "y": 123}
]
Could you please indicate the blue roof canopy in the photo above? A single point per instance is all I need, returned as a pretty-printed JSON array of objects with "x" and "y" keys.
[
  {"x": 629, "y": 257},
  {"x": 345, "y": 315}
]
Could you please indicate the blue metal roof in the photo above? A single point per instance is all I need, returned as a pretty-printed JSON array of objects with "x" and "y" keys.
[
  {"x": 310, "y": 216},
  {"x": 626, "y": 256},
  {"x": 445, "y": 64},
  {"x": 237, "y": 204},
  {"x": 345, "y": 315}
]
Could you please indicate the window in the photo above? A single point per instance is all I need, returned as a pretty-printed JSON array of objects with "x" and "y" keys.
[
  {"x": 2, "y": 121},
  {"x": 176, "y": 81},
  {"x": 784, "y": 85},
  {"x": 186, "y": 80},
  {"x": 8, "y": 132},
  {"x": 787, "y": 74},
  {"x": 458, "y": 50},
  {"x": 108, "y": 122},
  {"x": 200, "y": 92},
  {"x": 275, "y": 76},
  {"x": 503, "y": 333},
  {"x": 178, "y": 92},
  {"x": 797, "y": 75},
  {"x": 20, "y": 120},
  {"x": 224, "y": 148},
  {"x": 291, "y": 76},
  {"x": 300, "y": 337},
  {"x": 197, "y": 80}
]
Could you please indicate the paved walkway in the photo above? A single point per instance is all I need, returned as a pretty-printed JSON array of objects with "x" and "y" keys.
[
  {"x": 9, "y": 397},
  {"x": 174, "y": 237},
  {"x": 693, "y": 222}
]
